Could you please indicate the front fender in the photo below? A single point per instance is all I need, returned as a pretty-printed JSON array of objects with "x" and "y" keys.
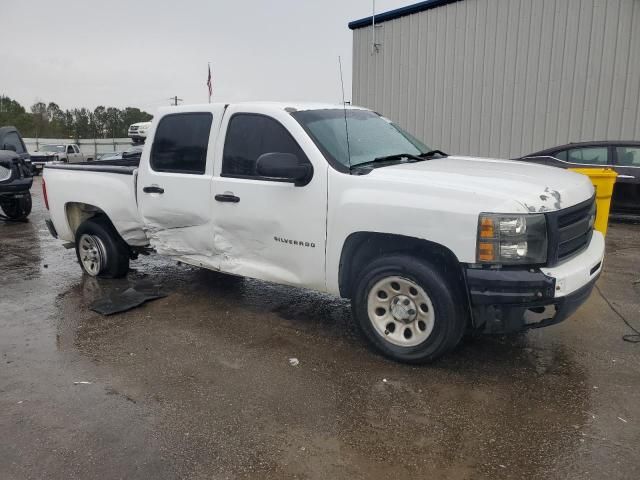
[{"x": 436, "y": 216}]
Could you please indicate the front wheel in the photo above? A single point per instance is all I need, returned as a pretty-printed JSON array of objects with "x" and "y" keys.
[
  {"x": 408, "y": 310},
  {"x": 100, "y": 249},
  {"x": 17, "y": 208}
]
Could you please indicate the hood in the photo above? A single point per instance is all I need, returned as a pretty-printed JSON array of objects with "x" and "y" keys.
[
  {"x": 500, "y": 186},
  {"x": 50, "y": 154}
]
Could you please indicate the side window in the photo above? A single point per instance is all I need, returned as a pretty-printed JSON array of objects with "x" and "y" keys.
[
  {"x": 180, "y": 144},
  {"x": 248, "y": 137},
  {"x": 628, "y": 156},
  {"x": 76, "y": 149},
  {"x": 589, "y": 155},
  {"x": 561, "y": 155},
  {"x": 70, "y": 149},
  {"x": 13, "y": 139}
]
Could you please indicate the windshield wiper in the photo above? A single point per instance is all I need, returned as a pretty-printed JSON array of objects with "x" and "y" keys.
[
  {"x": 431, "y": 153},
  {"x": 390, "y": 158}
]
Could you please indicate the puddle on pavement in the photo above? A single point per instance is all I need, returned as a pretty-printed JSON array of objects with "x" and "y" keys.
[{"x": 218, "y": 348}]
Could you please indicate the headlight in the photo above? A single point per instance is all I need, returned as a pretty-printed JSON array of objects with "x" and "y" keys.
[{"x": 512, "y": 239}]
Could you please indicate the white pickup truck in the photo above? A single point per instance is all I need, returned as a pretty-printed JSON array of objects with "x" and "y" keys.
[
  {"x": 138, "y": 132},
  {"x": 427, "y": 246},
  {"x": 52, "y": 153}
]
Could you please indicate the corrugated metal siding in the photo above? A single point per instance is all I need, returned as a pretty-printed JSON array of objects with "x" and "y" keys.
[{"x": 505, "y": 78}]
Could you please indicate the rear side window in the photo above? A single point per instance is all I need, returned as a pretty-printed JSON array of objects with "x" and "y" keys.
[
  {"x": 585, "y": 156},
  {"x": 248, "y": 137},
  {"x": 13, "y": 139},
  {"x": 180, "y": 143},
  {"x": 628, "y": 156}
]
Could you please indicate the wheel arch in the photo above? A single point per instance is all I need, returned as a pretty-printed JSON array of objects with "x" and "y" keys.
[
  {"x": 362, "y": 247},
  {"x": 77, "y": 213}
]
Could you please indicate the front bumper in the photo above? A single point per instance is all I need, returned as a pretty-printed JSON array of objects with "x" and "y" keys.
[{"x": 504, "y": 301}]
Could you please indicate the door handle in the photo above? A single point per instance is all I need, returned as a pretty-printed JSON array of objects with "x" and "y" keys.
[
  {"x": 153, "y": 189},
  {"x": 227, "y": 197}
]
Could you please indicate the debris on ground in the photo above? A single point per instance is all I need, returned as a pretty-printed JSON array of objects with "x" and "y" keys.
[
  {"x": 82, "y": 383},
  {"x": 294, "y": 362},
  {"x": 130, "y": 298},
  {"x": 622, "y": 420}
]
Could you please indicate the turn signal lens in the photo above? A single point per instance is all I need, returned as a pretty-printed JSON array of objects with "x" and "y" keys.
[
  {"x": 486, "y": 251},
  {"x": 487, "y": 227}
]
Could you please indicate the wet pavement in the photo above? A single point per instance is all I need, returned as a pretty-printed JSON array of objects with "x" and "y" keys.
[{"x": 199, "y": 384}]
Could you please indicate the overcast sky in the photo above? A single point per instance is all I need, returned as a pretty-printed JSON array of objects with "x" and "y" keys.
[{"x": 141, "y": 52}]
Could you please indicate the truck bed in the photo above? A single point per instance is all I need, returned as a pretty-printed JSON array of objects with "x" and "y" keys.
[{"x": 108, "y": 187}]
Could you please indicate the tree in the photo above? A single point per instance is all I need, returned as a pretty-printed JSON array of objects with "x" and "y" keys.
[
  {"x": 40, "y": 119},
  {"x": 100, "y": 122},
  {"x": 81, "y": 123},
  {"x": 9, "y": 106},
  {"x": 114, "y": 122},
  {"x": 50, "y": 121}
]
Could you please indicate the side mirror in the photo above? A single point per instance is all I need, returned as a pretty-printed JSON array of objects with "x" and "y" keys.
[
  {"x": 284, "y": 166},
  {"x": 9, "y": 147}
]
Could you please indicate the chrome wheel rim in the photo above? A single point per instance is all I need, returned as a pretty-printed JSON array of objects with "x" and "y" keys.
[
  {"x": 400, "y": 311},
  {"x": 92, "y": 254}
]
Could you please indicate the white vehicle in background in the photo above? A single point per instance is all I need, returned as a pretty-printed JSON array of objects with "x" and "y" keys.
[
  {"x": 57, "y": 153},
  {"x": 138, "y": 132},
  {"x": 427, "y": 246}
]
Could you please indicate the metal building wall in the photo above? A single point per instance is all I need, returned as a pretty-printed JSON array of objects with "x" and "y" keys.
[{"x": 504, "y": 78}]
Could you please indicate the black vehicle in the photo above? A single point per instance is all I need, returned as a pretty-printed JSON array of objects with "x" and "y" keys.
[
  {"x": 128, "y": 157},
  {"x": 16, "y": 176},
  {"x": 622, "y": 156}
]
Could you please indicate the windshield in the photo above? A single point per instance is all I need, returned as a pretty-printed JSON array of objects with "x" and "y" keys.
[
  {"x": 370, "y": 135},
  {"x": 52, "y": 148}
]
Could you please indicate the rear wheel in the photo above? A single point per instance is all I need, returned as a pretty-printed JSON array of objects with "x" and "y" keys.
[
  {"x": 408, "y": 310},
  {"x": 17, "y": 208},
  {"x": 100, "y": 249}
]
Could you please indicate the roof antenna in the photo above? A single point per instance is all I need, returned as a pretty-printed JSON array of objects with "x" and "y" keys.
[{"x": 344, "y": 108}]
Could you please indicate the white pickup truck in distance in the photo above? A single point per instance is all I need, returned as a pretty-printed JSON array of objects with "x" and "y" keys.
[
  {"x": 138, "y": 132},
  {"x": 427, "y": 246},
  {"x": 51, "y": 153}
]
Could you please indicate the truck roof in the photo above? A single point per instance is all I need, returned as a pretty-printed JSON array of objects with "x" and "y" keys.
[{"x": 279, "y": 106}]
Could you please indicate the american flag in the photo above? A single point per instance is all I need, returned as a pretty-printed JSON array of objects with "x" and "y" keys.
[{"x": 209, "y": 83}]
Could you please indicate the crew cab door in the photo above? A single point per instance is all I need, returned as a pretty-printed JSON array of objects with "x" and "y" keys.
[
  {"x": 174, "y": 184},
  {"x": 265, "y": 228}
]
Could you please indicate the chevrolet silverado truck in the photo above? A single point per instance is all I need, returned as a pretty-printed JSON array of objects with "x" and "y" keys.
[
  {"x": 54, "y": 153},
  {"x": 15, "y": 175},
  {"x": 427, "y": 246}
]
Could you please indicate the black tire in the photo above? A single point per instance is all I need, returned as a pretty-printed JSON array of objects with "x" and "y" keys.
[
  {"x": 450, "y": 316},
  {"x": 17, "y": 208},
  {"x": 115, "y": 255}
]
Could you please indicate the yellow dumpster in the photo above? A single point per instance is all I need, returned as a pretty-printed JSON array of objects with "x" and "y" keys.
[{"x": 603, "y": 179}]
